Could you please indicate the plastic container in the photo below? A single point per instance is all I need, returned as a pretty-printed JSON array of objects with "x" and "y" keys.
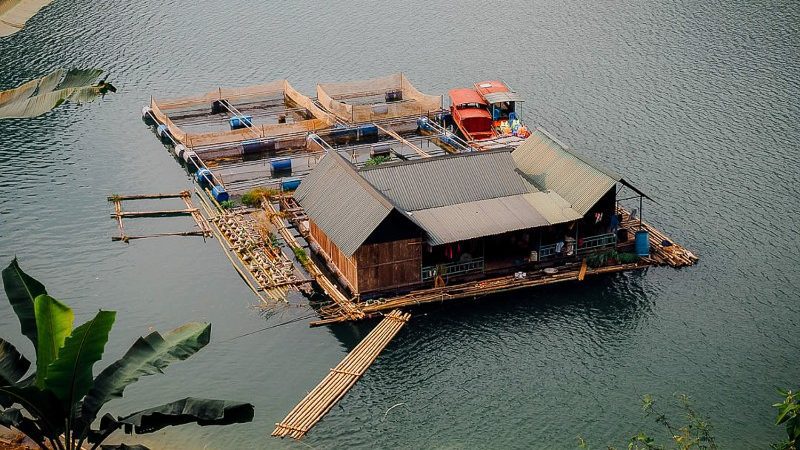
[
  {"x": 367, "y": 130},
  {"x": 290, "y": 184},
  {"x": 642, "y": 243},
  {"x": 281, "y": 165},
  {"x": 257, "y": 146},
  {"x": 220, "y": 194},
  {"x": 380, "y": 149},
  {"x": 238, "y": 122},
  {"x": 424, "y": 124},
  {"x": 203, "y": 176}
]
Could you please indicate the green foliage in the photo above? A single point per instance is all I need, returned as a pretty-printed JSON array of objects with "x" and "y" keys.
[
  {"x": 58, "y": 411},
  {"x": 789, "y": 415},
  {"x": 377, "y": 160},
  {"x": 627, "y": 258},
  {"x": 302, "y": 256},
  {"x": 695, "y": 432},
  {"x": 21, "y": 291},
  {"x": 254, "y": 196},
  {"x": 54, "y": 322},
  {"x": 227, "y": 204},
  {"x": 273, "y": 239}
]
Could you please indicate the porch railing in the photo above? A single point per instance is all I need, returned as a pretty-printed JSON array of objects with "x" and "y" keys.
[
  {"x": 454, "y": 268},
  {"x": 587, "y": 245}
]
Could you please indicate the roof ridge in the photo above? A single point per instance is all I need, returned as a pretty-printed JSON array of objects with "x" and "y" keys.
[
  {"x": 433, "y": 158},
  {"x": 368, "y": 187}
]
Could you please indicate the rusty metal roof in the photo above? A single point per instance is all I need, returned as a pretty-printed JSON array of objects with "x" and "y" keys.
[
  {"x": 552, "y": 166},
  {"x": 341, "y": 203},
  {"x": 448, "y": 180}
]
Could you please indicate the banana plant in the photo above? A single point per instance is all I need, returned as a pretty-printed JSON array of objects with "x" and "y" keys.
[{"x": 58, "y": 404}]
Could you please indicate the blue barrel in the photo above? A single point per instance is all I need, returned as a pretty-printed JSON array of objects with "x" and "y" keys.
[
  {"x": 203, "y": 176},
  {"x": 281, "y": 164},
  {"x": 290, "y": 184},
  {"x": 642, "y": 243},
  {"x": 341, "y": 131},
  {"x": 367, "y": 130},
  {"x": 220, "y": 194},
  {"x": 237, "y": 122},
  {"x": 257, "y": 146},
  {"x": 424, "y": 124}
]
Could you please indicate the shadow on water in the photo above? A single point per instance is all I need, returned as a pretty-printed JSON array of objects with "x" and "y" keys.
[{"x": 615, "y": 302}]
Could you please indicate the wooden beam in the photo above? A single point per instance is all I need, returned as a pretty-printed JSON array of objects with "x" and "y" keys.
[
  {"x": 112, "y": 198},
  {"x": 166, "y": 213}
]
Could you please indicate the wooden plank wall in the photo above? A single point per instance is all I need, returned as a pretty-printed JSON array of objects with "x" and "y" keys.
[
  {"x": 389, "y": 265},
  {"x": 345, "y": 264}
]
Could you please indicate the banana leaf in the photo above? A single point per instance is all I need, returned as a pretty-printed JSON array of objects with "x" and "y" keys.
[
  {"x": 41, "y": 405},
  {"x": 69, "y": 377},
  {"x": 13, "y": 418},
  {"x": 12, "y": 364},
  {"x": 21, "y": 289},
  {"x": 54, "y": 323},
  {"x": 189, "y": 410},
  {"x": 14, "y": 14},
  {"x": 148, "y": 355},
  {"x": 39, "y": 96}
]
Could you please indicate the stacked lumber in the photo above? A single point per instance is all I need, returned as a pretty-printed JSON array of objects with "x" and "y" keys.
[
  {"x": 341, "y": 378},
  {"x": 673, "y": 255}
]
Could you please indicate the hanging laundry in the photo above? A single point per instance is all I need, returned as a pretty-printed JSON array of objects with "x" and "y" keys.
[
  {"x": 598, "y": 217},
  {"x": 559, "y": 246}
]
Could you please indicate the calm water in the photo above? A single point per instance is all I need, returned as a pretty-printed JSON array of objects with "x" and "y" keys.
[{"x": 696, "y": 102}]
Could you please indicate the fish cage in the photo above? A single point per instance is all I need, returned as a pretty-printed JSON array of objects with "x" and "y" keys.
[
  {"x": 280, "y": 169},
  {"x": 376, "y": 99},
  {"x": 247, "y": 119}
]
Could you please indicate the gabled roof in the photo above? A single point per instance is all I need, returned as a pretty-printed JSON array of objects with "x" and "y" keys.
[
  {"x": 551, "y": 165},
  {"x": 341, "y": 203},
  {"x": 448, "y": 180}
]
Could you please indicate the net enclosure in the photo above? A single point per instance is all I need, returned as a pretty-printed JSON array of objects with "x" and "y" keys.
[
  {"x": 263, "y": 111},
  {"x": 376, "y": 99}
]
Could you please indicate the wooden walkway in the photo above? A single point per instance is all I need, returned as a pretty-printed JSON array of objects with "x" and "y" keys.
[
  {"x": 341, "y": 378},
  {"x": 344, "y": 305},
  {"x": 119, "y": 214}
]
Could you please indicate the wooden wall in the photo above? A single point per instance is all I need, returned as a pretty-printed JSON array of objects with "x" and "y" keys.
[
  {"x": 345, "y": 264},
  {"x": 389, "y": 265}
]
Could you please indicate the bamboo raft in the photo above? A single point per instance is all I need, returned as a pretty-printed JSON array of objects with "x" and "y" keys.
[
  {"x": 340, "y": 379},
  {"x": 240, "y": 234}
]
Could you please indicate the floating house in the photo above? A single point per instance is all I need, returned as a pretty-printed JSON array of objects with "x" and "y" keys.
[
  {"x": 395, "y": 208},
  {"x": 404, "y": 225}
]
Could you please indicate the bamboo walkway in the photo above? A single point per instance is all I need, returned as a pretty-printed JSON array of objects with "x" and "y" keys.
[
  {"x": 345, "y": 306},
  {"x": 119, "y": 214},
  {"x": 238, "y": 233},
  {"x": 341, "y": 378}
]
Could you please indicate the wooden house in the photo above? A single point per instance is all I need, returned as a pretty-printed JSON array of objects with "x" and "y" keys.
[{"x": 401, "y": 226}]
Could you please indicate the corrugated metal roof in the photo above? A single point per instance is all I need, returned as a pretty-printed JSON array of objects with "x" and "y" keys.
[
  {"x": 442, "y": 181},
  {"x": 498, "y": 97},
  {"x": 493, "y": 216},
  {"x": 552, "y": 166},
  {"x": 341, "y": 203}
]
